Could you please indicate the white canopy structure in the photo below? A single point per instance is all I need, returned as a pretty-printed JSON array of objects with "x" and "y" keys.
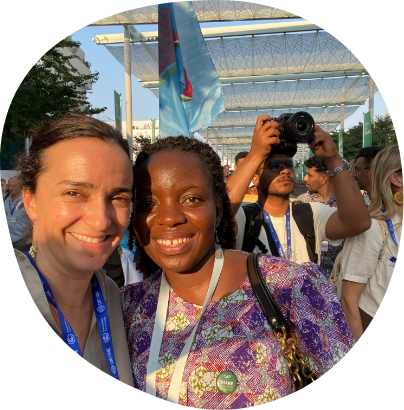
[{"x": 267, "y": 68}]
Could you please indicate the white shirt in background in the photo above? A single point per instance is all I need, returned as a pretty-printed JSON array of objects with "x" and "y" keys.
[
  {"x": 299, "y": 254},
  {"x": 132, "y": 275},
  {"x": 360, "y": 264}
]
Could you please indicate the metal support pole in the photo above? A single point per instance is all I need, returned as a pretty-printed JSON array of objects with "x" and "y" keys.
[
  {"x": 128, "y": 89},
  {"x": 342, "y": 122},
  {"x": 371, "y": 98}
]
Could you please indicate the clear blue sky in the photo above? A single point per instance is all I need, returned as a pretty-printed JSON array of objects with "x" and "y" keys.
[{"x": 144, "y": 103}]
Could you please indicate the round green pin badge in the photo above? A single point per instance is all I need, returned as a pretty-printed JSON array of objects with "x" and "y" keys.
[{"x": 226, "y": 382}]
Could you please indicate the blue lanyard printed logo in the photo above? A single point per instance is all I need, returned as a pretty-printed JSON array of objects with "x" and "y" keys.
[
  {"x": 101, "y": 314},
  {"x": 275, "y": 235}
]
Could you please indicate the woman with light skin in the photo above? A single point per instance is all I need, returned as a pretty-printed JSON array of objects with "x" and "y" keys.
[
  {"x": 368, "y": 260},
  {"x": 77, "y": 184},
  {"x": 196, "y": 333}
]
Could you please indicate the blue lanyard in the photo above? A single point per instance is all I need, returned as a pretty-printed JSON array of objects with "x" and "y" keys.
[
  {"x": 15, "y": 206},
  {"x": 391, "y": 230},
  {"x": 275, "y": 235},
  {"x": 101, "y": 315}
]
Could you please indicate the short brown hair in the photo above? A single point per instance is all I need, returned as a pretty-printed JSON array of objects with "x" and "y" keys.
[{"x": 57, "y": 130}]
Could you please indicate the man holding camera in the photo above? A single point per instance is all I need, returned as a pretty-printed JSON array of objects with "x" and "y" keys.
[{"x": 276, "y": 226}]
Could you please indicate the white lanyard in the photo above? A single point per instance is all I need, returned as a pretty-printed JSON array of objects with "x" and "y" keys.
[{"x": 158, "y": 331}]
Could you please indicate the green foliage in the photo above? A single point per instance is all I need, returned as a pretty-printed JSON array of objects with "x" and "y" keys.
[
  {"x": 383, "y": 135},
  {"x": 52, "y": 88}
]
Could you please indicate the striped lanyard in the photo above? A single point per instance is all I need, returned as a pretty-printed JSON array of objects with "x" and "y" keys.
[{"x": 393, "y": 236}]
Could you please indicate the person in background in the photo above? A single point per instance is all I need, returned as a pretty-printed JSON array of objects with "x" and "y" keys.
[
  {"x": 318, "y": 183},
  {"x": 280, "y": 231},
  {"x": 17, "y": 219},
  {"x": 239, "y": 158},
  {"x": 363, "y": 175},
  {"x": 131, "y": 274},
  {"x": 251, "y": 194},
  {"x": 4, "y": 188},
  {"x": 320, "y": 189},
  {"x": 368, "y": 260}
]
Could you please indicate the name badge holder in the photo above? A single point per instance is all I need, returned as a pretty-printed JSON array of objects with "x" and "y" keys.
[
  {"x": 158, "y": 331},
  {"x": 275, "y": 235},
  {"x": 101, "y": 315}
]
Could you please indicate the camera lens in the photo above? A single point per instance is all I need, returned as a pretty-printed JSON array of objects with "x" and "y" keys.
[{"x": 301, "y": 125}]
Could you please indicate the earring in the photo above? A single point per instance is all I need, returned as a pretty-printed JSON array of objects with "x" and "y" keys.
[
  {"x": 398, "y": 198},
  {"x": 218, "y": 248},
  {"x": 33, "y": 250}
]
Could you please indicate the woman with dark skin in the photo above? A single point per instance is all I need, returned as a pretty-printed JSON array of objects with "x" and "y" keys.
[{"x": 196, "y": 333}]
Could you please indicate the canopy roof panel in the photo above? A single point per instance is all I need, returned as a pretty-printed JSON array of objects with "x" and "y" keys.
[
  {"x": 206, "y": 11},
  {"x": 256, "y": 55},
  {"x": 248, "y": 118},
  {"x": 303, "y": 93}
]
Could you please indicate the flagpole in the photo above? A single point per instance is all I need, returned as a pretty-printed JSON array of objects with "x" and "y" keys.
[{"x": 128, "y": 89}]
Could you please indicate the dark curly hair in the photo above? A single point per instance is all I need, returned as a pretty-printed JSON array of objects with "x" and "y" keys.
[
  {"x": 316, "y": 162},
  {"x": 51, "y": 132},
  {"x": 208, "y": 156}
]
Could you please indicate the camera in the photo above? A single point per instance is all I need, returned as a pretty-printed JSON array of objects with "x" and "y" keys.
[{"x": 295, "y": 128}]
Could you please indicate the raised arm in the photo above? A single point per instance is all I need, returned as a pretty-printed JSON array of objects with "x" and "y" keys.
[
  {"x": 264, "y": 137},
  {"x": 352, "y": 217}
]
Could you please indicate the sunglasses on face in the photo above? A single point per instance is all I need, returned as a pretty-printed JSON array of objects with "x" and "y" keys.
[{"x": 276, "y": 166}]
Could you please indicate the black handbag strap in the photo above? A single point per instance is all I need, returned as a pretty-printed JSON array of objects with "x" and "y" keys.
[{"x": 268, "y": 305}]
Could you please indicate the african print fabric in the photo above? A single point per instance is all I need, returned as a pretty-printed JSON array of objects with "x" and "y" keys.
[{"x": 233, "y": 335}]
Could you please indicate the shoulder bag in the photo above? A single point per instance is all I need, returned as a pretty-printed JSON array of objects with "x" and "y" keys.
[{"x": 298, "y": 369}]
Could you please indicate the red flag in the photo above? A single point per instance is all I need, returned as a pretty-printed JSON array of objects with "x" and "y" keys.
[{"x": 227, "y": 170}]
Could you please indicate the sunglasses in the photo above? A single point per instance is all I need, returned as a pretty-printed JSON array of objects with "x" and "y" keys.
[{"x": 276, "y": 166}]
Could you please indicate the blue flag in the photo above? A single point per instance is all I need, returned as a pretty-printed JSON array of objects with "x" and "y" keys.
[{"x": 190, "y": 92}]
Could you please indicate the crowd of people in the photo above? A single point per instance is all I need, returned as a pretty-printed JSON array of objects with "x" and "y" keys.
[{"x": 225, "y": 304}]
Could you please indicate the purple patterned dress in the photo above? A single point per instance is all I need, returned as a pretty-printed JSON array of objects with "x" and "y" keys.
[{"x": 233, "y": 335}]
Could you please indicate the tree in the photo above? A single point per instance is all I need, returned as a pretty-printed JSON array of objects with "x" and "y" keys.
[
  {"x": 383, "y": 135},
  {"x": 52, "y": 88}
]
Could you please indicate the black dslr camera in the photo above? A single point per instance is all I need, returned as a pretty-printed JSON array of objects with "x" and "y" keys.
[{"x": 295, "y": 128}]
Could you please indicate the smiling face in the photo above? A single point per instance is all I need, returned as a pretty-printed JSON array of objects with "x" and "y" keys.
[
  {"x": 276, "y": 183},
  {"x": 176, "y": 211},
  {"x": 81, "y": 205}
]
